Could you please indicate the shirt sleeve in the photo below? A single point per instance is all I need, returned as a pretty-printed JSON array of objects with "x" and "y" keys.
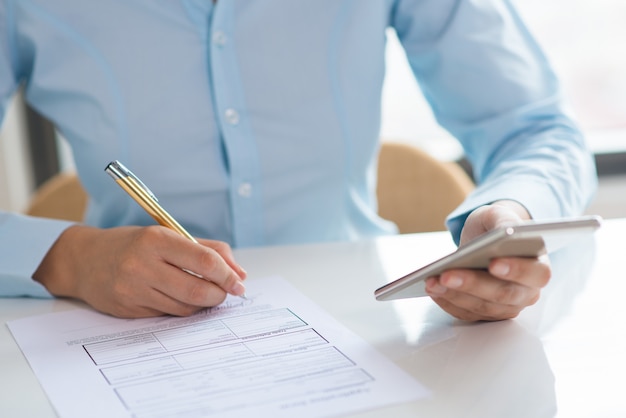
[
  {"x": 24, "y": 241},
  {"x": 8, "y": 64},
  {"x": 492, "y": 88}
]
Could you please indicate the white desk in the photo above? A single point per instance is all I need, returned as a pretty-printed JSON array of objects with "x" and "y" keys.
[{"x": 566, "y": 353}]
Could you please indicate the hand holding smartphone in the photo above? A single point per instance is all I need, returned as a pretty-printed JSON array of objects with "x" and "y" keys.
[{"x": 528, "y": 239}]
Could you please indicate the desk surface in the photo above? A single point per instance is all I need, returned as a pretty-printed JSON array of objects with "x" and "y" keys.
[{"x": 564, "y": 356}]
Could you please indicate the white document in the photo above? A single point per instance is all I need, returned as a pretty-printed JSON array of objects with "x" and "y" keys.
[{"x": 274, "y": 354}]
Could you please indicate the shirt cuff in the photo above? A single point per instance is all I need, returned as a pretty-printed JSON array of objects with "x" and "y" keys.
[
  {"x": 29, "y": 242},
  {"x": 539, "y": 200}
]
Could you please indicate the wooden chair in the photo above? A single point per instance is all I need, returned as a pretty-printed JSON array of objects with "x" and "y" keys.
[
  {"x": 60, "y": 197},
  {"x": 417, "y": 191}
]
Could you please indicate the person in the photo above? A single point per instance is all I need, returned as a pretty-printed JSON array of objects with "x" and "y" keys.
[{"x": 257, "y": 123}]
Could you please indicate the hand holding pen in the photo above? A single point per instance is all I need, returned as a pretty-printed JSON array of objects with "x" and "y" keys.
[
  {"x": 148, "y": 201},
  {"x": 133, "y": 271}
]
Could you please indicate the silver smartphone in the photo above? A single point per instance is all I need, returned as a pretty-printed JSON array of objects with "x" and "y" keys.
[{"x": 528, "y": 239}]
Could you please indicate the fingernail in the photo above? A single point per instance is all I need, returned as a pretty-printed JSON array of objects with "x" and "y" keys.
[
  {"x": 500, "y": 269},
  {"x": 452, "y": 282},
  {"x": 238, "y": 289},
  {"x": 243, "y": 272},
  {"x": 433, "y": 287}
]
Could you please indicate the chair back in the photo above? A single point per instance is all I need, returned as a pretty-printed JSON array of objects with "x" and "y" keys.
[
  {"x": 417, "y": 191},
  {"x": 60, "y": 197}
]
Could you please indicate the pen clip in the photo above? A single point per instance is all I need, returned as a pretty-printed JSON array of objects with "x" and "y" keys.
[{"x": 118, "y": 171}]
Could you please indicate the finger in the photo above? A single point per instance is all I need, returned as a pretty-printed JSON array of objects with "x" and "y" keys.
[
  {"x": 202, "y": 260},
  {"x": 187, "y": 290},
  {"x": 226, "y": 252},
  {"x": 508, "y": 280},
  {"x": 486, "y": 218},
  {"x": 169, "y": 290},
  {"x": 494, "y": 313},
  {"x": 483, "y": 287},
  {"x": 155, "y": 303},
  {"x": 465, "y": 305},
  {"x": 468, "y": 307},
  {"x": 139, "y": 300},
  {"x": 532, "y": 272}
]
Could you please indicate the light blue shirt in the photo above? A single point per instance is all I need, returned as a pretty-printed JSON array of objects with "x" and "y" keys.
[{"x": 257, "y": 122}]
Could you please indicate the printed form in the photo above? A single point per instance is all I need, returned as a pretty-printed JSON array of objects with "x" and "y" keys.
[{"x": 273, "y": 354}]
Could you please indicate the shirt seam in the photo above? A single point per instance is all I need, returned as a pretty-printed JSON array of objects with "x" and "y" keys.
[
  {"x": 116, "y": 95},
  {"x": 11, "y": 40}
]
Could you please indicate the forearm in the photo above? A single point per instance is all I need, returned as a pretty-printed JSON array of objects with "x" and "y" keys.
[
  {"x": 59, "y": 271},
  {"x": 551, "y": 174}
]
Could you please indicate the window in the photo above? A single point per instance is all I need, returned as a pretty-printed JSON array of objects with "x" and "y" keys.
[{"x": 584, "y": 40}]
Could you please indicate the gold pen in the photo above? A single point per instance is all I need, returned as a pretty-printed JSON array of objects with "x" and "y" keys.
[
  {"x": 147, "y": 200},
  {"x": 142, "y": 195}
]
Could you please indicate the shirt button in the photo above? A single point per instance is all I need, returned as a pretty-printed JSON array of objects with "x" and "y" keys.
[
  {"x": 232, "y": 117},
  {"x": 219, "y": 38},
  {"x": 245, "y": 190}
]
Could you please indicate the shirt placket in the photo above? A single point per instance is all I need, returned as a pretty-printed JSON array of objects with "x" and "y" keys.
[{"x": 236, "y": 132}]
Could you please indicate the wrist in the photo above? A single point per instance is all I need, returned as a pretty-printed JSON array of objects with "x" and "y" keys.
[{"x": 56, "y": 272}]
